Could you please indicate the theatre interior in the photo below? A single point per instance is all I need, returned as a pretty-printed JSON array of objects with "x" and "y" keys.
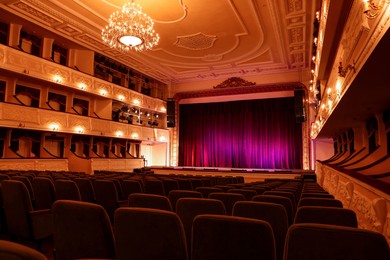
[{"x": 194, "y": 130}]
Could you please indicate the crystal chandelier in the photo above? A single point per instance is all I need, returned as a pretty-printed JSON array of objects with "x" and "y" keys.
[{"x": 130, "y": 29}]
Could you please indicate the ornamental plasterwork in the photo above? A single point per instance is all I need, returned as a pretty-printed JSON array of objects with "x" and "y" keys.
[
  {"x": 48, "y": 20},
  {"x": 78, "y": 121},
  {"x": 50, "y": 70},
  {"x": 20, "y": 113},
  {"x": 100, "y": 126},
  {"x": 23, "y": 62},
  {"x": 48, "y": 117},
  {"x": 345, "y": 193},
  {"x": 234, "y": 82},
  {"x": 199, "y": 41},
  {"x": 52, "y": 165},
  {"x": 77, "y": 79}
]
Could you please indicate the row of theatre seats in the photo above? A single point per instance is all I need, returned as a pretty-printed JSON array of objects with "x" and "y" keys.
[{"x": 219, "y": 218}]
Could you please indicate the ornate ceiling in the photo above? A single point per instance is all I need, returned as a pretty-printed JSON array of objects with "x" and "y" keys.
[{"x": 199, "y": 40}]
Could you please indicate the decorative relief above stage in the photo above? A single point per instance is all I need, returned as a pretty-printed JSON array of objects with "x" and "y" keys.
[{"x": 234, "y": 82}]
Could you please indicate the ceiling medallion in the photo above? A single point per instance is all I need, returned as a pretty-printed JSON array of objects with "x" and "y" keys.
[
  {"x": 234, "y": 82},
  {"x": 130, "y": 28}
]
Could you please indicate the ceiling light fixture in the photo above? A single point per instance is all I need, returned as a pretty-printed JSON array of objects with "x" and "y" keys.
[{"x": 130, "y": 29}]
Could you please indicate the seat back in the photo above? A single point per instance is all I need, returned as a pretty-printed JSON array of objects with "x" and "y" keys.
[
  {"x": 169, "y": 184},
  {"x": 17, "y": 204},
  {"x": 230, "y": 237},
  {"x": 274, "y": 214},
  {"x": 326, "y": 215},
  {"x": 207, "y": 190},
  {"x": 45, "y": 193},
  {"x": 107, "y": 196},
  {"x": 320, "y": 202},
  {"x": 228, "y": 199},
  {"x": 10, "y": 250},
  {"x": 249, "y": 194},
  {"x": 286, "y": 194},
  {"x": 188, "y": 208},
  {"x": 131, "y": 186},
  {"x": 26, "y": 182},
  {"x": 319, "y": 241},
  {"x": 154, "y": 186},
  {"x": 143, "y": 233},
  {"x": 91, "y": 236},
  {"x": 316, "y": 195},
  {"x": 175, "y": 195},
  {"x": 286, "y": 202},
  {"x": 67, "y": 190},
  {"x": 153, "y": 201},
  {"x": 87, "y": 193}
]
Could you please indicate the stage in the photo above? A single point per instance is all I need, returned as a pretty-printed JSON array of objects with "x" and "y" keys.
[{"x": 250, "y": 175}]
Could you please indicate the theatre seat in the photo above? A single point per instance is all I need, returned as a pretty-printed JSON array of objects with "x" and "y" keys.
[
  {"x": 249, "y": 194},
  {"x": 87, "y": 192},
  {"x": 320, "y": 241},
  {"x": 67, "y": 190},
  {"x": 45, "y": 193},
  {"x": 131, "y": 186},
  {"x": 188, "y": 208},
  {"x": 14, "y": 251},
  {"x": 23, "y": 221},
  {"x": 175, "y": 195},
  {"x": 143, "y": 233},
  {"x": 274, "y": 214},
  {"x": 207, "y": 190},
  {"x": 326, "y": 215},
  {"x": 107, "y": 196},
  {"x": 153, "y": 201},
  {"x": 320, "y": 202},
  {"x": 286, "y": 202},
  {"x": 228, "y": 199},
  {"x": 82, "y": 230},
  {"x": 229, "y": 237}
]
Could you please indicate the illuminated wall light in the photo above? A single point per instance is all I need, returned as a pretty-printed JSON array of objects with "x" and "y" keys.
[
  {"x": 162, "y": 138},
  {"x": 103, "y": 92},
  {"x": 119, "y": 134},
  {"x": 136, "y": 102},
  {"x": 54, "y": 127},
  {"x": 134, "y": 135},
  {"x": 323, "y": 106},
  {"x": 330, "y": 104},
  {"x": 82, "y": 86},
  {"x": 79, "y": 129},
  {"x": 57, "y": 79},
  {"x": 329, "y": 91},
  {"x": 121, "y": 97},
  {"x": 163, "y": 109}
]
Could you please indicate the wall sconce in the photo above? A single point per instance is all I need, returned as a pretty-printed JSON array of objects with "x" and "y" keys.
[
  {"x": 57, "y": 79},
  {"x": 121, "y": 97},
  {"x": 372, "y": 10},
  {"x": 54, "y": 127},
  {"x": 343, "y": 71},
  {"x": 136, "y": 102},
  {"x": 82, "y": 86},
  {"x": 103, "y": 92},
  {"x": 119, "y": 134},
  {"x": 162, "y": 138},
  {"x": 134, "y": 135},
  {"x": 79, "y": 130}
]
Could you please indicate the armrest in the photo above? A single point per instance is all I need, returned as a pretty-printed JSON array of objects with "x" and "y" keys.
[{"x": 41, "y": 223}]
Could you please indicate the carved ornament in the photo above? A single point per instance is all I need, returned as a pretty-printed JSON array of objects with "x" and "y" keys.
[{"x": 234, "y": 82}]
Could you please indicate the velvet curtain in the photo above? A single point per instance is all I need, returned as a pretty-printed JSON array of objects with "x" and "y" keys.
[{"x": 241, "y": 134}]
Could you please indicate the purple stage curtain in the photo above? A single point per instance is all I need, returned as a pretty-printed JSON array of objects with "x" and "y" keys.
[{"x": 241, "y": 134}]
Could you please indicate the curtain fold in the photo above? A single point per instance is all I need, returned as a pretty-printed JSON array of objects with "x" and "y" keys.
[{"x": 241, "y": 134}]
